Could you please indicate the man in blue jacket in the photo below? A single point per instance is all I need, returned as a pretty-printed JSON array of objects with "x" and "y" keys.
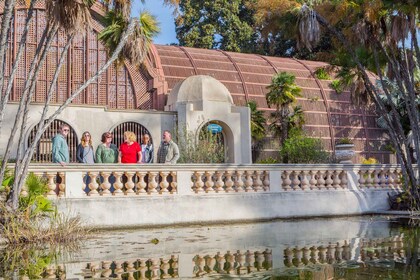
[{"x": 60, "y": 149}]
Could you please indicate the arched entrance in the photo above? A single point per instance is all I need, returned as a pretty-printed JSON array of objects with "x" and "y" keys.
[
  {"x": 216, "y": 137},
  {"x": 43, "y": 151},
  {"x": 137, "y": 128}
]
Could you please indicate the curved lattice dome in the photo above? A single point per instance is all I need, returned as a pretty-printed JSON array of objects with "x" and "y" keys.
[
  {"x": 328, "y": 115},
  {"x": 199, "y": 88}
]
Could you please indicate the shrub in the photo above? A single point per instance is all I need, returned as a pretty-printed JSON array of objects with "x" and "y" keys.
[
  {"x": 209, "y": 149},
  {"x": 344, "y": 141},
  {"x": 337, "y": 86},
  {"x": 322, "y": 74},
  {"x": 268, "y": 160},
  {"x": 370, "y": 161},
  {"x": 299, "y": 148}
]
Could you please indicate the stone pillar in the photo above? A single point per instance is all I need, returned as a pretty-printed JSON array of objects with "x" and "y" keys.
[
  {"x": 75, "y": 184},
  {"x": 184, "y": 182},
  {"x": 275, "y": 181}
]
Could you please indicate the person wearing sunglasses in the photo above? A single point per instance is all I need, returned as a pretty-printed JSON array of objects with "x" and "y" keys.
[
  {"x": 60, "y": 149},
  {"x": 84, "y": 151}
]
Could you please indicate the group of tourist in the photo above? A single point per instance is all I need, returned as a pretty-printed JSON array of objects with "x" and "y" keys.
[{"x": 129, "y": 152}]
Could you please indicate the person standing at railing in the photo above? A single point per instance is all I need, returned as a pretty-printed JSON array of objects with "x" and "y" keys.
[
  {"x": 84, "y": 151},
  {"x": 130, "y": 150},
  {"x": 146, "y": 149},
  {"x": 168, "y": 151},
  {"x": 60, "y": 149},
  {"x": 106, "y": 151}
]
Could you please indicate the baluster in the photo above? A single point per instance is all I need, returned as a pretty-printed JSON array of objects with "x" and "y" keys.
[
  {"x": 383, "y": 178},
  {"x": 118, "y": 184},
  {"x": 286, "y": 180},
  {"x": 174, "y": 183},
  {"x": 198, "y": 184},
  {"x": 142, "y": 269},
  {"x": 322, "y": 254},
  {"x": 174, "y": 266},
  {"x": 362, "y": 181},
  {"x": 305, "y": 255},
  {"x": 339, "y": 253},
  {"x": 229, "y": 182},
  {"x": 62, "y": 185},
  {"x": 129, "y": 185},
  {"x": 397, "y": 180},
  {"x": 239, "y": 183},
  {"x": 304, "y": 180},
  {"x": 210, "y": 263},
  {"x": 105, "y": 185},
  {"x": 268, "y": 258},
  {"x": 155, "y": 267},
  {"x": 164, "y": 184},
  {"x": 200, "y": 264},
  {"x": 209, "y": 181},
  {"x": 152, "y": 183},
  {"x": 298, "y": 257},
  {"x": 165, "y": 268},
  {"x": 250, "y": 260},
  {"x": 288, "y": 254},
  {"x": 231, "y": 262},
  {"x": 93, "y": 185},
  {"x": 369, "y": 179},
  {"x": 95, "y": 270},
  {"x": 314, "y": 255},
  {"x": 240, "y": 260},
  {"x": 295, "y": 181},
  {"x": 331, "y": 253},
  {"x": 321, "y": 181},
  {"x": 51, "y": 272},
  {"x": 219, "y": 181},
  {"x": 257, "y": 183},
  {"x": 336, "y": 180},
  {"x": 346, "y": 251},
  {"x": 266, "y": 182},
  {"x": 141, "y": 184},
  {"x": 259, "y": 259},
  {"x": 220, "y": 262},
  {"x": 344, "y": 181},
  {"x": 328, "y": 181},
  {"x": 248, "y": 181},
  {"x": 107, "y": 271},
  {"x": 312, "y": 181},
  {"x": 51, "y": 184},
  {"x": 376, "y": 178}
]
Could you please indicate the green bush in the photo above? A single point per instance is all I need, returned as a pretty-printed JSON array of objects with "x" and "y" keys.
[
  {"x": 299, "y": 148},
  {"x": 208, "y": 148},
  {"x": 337, "y": 86},
  {"x": 268, "y": 160},
  {"x": 322, "y": 74}
]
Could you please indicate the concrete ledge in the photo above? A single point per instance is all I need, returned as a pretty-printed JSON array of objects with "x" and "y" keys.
[{"x": 149, "y": 211}]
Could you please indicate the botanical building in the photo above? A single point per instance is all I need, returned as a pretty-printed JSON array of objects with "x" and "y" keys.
[{"x": 128, "y": 98}]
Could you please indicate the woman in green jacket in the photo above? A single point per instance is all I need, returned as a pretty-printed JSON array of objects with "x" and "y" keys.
[{"x": 107, "y": 152}]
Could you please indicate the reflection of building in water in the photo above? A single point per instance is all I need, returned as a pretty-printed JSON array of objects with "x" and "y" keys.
[
  {"x": 238, "y": 263},
  {"x": 370, "y": 249},
  {"x": 153, "y": 268}
]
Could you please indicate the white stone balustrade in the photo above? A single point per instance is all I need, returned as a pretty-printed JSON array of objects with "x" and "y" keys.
[
  {"x": 379, "y": 177},
  {"x": 233, "y": 262},
  {"x": 145, "y": 180}
]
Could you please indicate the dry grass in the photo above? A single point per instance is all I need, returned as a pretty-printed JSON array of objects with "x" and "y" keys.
[{"x": 15, "y": 228}]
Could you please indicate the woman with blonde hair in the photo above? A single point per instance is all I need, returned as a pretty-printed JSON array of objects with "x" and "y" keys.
[
  {"x": 84, "y": 151},
  {"x": 130, "y": 150}
]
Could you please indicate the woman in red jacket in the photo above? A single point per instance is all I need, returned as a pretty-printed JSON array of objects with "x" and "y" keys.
[{"x": 130, "y": 150}]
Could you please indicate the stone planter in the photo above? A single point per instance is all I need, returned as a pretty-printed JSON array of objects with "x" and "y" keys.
[{"x": 344, "y": 153}]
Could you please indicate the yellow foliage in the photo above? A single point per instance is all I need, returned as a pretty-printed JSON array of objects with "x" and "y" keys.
[{"x": 370, "y": 161}]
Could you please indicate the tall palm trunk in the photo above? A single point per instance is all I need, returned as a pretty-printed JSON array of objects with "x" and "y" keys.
[
  {"x": 17, "y": 187},
  {"x": 284, "y": 112}
]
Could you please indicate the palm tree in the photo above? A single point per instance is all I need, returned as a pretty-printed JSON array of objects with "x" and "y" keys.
[
  {"x": 257, "y": 122},
  {"x": 282, "y": 94}
]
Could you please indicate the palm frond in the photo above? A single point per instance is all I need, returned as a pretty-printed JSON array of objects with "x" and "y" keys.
[{"x": 70, "y": 15}]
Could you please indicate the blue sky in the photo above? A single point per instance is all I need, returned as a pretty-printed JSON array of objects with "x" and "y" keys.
[{"x": 164, "y": 15}]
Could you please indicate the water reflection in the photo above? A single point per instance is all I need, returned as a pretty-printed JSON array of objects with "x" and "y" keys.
[{"x": 346, "y": 248}]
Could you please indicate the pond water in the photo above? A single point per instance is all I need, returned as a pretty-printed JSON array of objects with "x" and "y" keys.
[{"x": 342, "y": 248}]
